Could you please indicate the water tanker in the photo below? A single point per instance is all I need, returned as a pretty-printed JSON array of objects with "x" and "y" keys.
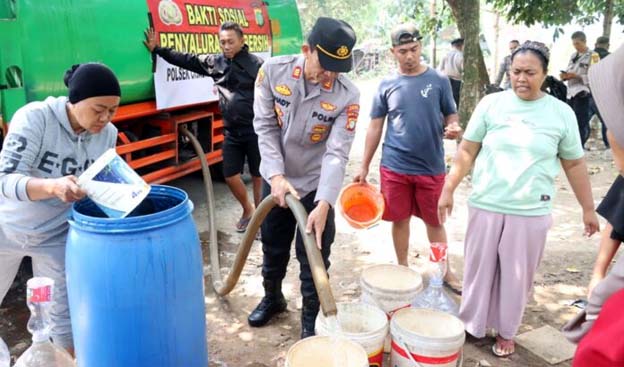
[{"x": 39, "y": 40}]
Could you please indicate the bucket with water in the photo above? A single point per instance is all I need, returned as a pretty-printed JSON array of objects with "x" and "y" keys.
[
  {"x": 364, "y": 324},
  {"x": 391, "y": 288},
  {"x": 361, "y": 204},
  {"x": 326, "y": 351},
  {"x": 426, "y": 338}
]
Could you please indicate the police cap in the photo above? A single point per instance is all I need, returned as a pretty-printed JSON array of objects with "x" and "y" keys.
[{"x": 333, "y": 39}]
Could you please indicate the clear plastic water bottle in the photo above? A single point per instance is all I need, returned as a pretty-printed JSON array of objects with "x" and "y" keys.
[
  {"x": 42, "y": 353},
  {"x": 434, "y": 296},
  {"x": 5, "y": 357}
]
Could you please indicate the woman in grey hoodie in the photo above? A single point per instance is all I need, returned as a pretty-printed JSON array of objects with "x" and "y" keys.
[{"x": 49, "y": 144}]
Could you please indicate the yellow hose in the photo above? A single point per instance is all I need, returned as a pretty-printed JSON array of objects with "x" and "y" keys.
[{"x": 317, "y": 266}]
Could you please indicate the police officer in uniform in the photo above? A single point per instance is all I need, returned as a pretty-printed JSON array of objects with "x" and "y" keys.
[
  {"x": 578, "y": 84},
  {"x": 305, "y": 113}
]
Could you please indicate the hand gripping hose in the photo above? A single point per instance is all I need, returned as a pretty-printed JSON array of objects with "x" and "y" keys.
[{"x": 222, "y": 288}]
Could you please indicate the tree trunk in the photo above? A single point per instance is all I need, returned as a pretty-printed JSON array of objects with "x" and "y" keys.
[
  {"x": 608, "y": 18},
  {"x": 466, "y": 14}
]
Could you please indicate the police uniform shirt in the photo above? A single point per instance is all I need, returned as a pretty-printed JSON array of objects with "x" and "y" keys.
[
  {"x": 579, "y": 64},
  {"x": 453, "y": 64},
  {"x": 304, "y": 135}
]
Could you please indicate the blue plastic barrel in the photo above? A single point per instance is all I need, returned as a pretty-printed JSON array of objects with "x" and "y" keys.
[{"x": 135, "y": 285}]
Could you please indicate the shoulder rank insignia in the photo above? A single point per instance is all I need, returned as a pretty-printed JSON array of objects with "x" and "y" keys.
[{"x": 296, "y": 72}]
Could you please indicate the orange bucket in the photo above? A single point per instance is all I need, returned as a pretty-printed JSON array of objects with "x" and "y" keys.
[{"x": 361, "y": 204}]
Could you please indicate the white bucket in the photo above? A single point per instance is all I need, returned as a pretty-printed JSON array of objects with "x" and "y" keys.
[
  {"x": 432, "y": 338},
  {"x": 391, "y": 288},
  {"x": 113, "y": 185},
  {"x": 364, "y": 324},
  {"x": 326, "y": 351}
]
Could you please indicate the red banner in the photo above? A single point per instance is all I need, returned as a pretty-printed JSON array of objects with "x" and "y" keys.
[{"x": 193, "y": 25}]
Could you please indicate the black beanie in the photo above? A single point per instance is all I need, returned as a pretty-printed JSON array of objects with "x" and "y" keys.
[{"x": 91, "y": 80}]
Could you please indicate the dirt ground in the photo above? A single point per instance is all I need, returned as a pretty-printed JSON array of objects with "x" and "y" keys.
[{"x": 562, "y": 277}]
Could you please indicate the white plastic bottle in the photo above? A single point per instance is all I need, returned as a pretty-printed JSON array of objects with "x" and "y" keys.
[
  {"x": 5, "y": 357},
  {"x": 42, "y": 353}
]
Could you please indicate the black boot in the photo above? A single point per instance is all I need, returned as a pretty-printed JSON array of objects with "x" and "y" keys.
[
  {"x": 271, "y": 304},
  {"x": 309, "y": 310}
]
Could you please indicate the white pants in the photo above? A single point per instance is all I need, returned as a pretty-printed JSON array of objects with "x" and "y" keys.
[{"x": 48, "y": 260}]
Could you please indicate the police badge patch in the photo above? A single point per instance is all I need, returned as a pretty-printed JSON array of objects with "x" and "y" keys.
[{"x": 283, "y": 90}]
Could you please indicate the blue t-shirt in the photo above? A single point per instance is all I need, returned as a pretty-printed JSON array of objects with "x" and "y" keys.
[{"x": 415, "y": 107}]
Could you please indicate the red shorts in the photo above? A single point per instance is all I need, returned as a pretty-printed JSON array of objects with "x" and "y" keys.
[{"x": 406, "y": 195}]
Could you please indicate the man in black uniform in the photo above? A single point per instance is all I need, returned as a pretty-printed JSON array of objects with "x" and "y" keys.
[{"x": 234, "y": 72}]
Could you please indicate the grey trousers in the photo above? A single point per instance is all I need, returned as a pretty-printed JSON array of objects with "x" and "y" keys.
[{"x": 48, "y": 259}]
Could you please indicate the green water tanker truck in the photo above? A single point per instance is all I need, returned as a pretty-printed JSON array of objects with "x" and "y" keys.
[{"x": 39, "y": 40}]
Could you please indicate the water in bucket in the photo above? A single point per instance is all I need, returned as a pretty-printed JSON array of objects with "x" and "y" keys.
[
  {"x": 434, "y": 296},
  {"x": 319, "y": 350},
  {"x": 361, "y": 204},
  {"x": 113, "y": 185},
  {"x": 364, "y": 324},
  {"x": 335, "y": 333}
]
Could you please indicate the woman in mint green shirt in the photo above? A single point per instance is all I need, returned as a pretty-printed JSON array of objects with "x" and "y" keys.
[{"x": 516, "y": 140}]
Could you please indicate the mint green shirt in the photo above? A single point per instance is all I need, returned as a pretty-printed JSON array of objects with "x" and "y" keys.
[{"x": 521, "y": 144}]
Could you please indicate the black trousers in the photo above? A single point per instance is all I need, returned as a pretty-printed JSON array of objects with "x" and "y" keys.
[
  {"x": 580, "y": 105},
  {"x": 593, "y": 110},
  {"x": 456, "y": 88},
  {"x": 278, "y": 230}
]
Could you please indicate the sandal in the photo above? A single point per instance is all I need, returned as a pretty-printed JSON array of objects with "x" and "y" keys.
[
  {"x": 503, "y": 347},
  {"x": 242, "y": 224}
]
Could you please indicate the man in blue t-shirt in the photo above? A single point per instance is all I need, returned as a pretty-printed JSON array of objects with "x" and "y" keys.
[{"x": 418, "y": 102}]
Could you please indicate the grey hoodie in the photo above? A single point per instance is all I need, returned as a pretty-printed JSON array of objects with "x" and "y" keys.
[{"x": 42, "y": 144}]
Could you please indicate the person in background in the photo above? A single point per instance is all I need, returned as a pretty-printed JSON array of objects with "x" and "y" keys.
[
  {"x": 234, "y": 72},
  {"x": 503, "y": 70},
  {"x": 452, "y": 65},
  {"x": 578, "y": 85},
  {"x": 49, "y": 144},
  {"x": 598, "y": 329},
  {"x": 602, "y": 49},
  {"x": 513, "y": 184},
  {"x": 418, "y": 104},
  {"x": 305, "y": 117}
]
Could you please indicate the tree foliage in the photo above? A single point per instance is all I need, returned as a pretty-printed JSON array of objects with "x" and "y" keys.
[
  {"x": 554, "y": 13},
  {"x": 375, "y": 19}
]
